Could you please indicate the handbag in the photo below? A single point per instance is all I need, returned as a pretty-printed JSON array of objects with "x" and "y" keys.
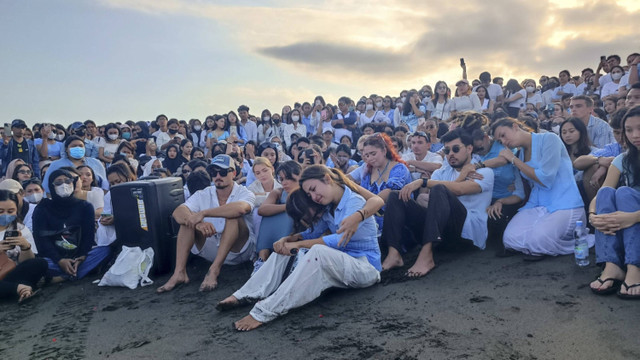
[
  {"x": 6, "y": 265},
  {"x": 130, "y": 268}
]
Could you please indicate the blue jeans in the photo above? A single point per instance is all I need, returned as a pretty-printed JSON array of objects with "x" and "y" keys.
[
  {"x": 624, "y": 247},
  {"x": 96, "y": 256},
  {"x": 272, "y": 229}
]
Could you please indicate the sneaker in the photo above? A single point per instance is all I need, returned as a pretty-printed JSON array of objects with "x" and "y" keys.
[{"x": 257, "y": 265}]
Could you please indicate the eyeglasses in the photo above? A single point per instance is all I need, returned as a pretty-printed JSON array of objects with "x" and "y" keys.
[
  {"x": 65, "y": 181},
  {"x": 454, "y": 148},
  {"x": 214, "y": 172},
  {"x": 25, "y": 172}
]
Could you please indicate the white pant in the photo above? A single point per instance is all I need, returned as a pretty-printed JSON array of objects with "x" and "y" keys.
[
  {"x": 535, "y": 231},
  {"x": 321, "y": 268},
  {"x": 209, "y": 250}
]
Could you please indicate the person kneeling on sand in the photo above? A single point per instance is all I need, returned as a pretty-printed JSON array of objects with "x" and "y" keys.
[
  {"x": 326, "y": 199},
  {"x": 216, "y": 224}
]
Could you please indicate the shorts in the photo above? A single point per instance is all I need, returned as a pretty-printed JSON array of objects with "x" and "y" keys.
[{"x": 209, "y": 250}]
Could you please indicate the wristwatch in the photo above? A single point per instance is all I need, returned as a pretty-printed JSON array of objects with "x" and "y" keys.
[{"x": 424, "y": 182}]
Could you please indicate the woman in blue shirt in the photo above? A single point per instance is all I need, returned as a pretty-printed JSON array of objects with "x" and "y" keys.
[
  {"x": 615, "y": 213},
  {"x": 327, "y": 199},
  {"x": 545, "y": 224},
  {"x": 412, "y": 109}
]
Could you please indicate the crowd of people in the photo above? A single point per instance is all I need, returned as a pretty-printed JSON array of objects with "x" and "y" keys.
[{"x": 320, "y": 195}]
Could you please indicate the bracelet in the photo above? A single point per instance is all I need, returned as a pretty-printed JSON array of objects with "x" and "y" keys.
[
  {"x": 513, "y": 159},
  {"x": 361, "y": 213},
  {"x": 592, "y": 212}
]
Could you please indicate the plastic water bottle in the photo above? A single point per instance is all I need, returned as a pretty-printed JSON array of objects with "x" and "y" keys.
[{"x": 581, "y": 249}]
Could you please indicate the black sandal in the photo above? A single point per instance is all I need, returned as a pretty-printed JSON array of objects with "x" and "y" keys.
[
  {"x": 629, "y": 296},
  {"x": 610, "y": 290}
]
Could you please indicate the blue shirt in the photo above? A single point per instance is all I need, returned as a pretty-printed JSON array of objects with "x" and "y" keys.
[
  {"x": 504, "y": 176},
  {"x": 412, "y": 120},
  {"x": 554, "y": 169},
  {"x": 399, "y": 176},
  {"x": 364, "y": 241},
  {"x": 600, "y": 133},
  {"x": 609, "y": 150},
  {"x": 53, "y": 150},
  {"x": 306, "y": 120},
  {"x": 625, "y": 175}
]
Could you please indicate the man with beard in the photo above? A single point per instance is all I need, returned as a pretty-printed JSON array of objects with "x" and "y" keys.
[
  {"x": 216, "y": 224},
  {"x": 455, "y": 217}
]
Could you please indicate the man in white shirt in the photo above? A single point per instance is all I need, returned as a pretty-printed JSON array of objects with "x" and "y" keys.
[
  {"x": 250, "y": 127},
  {"x": 421, "y": 161},
  {"x": 494, "y": 90},
  {"x": 216, "y": 224},
  {"x": 455, "y": 217}
]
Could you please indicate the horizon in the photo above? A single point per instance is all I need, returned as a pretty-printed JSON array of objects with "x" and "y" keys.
[{"x": 119, "y": 60}]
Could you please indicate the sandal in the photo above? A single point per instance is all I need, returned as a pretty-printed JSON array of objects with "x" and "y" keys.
[
  {"x": 610, "y": 290},
  {"x": 629, "y": 296},
  {"x": 27, "y": 299}
]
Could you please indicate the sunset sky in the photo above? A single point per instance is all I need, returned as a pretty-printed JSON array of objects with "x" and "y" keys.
[{"x": 116, "y": 60}]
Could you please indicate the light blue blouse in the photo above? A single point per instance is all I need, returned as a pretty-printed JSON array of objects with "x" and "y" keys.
[
  {"x": 554, "y": 169},
  {"x": 363, "y": 243},
  {"x": 504, "y": 176}
]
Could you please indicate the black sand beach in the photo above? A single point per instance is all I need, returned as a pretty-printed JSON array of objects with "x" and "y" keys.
[{"x": 472, "y": 306}]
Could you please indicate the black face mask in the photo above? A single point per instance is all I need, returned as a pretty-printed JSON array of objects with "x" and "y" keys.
[
  {"x": 173, "y": 131},
  {"x": 276, "y": 121},
  {"x": 80, "y": 133}
]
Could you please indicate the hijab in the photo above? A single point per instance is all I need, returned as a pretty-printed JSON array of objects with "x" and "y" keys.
[{"x": 172, "y": 164}]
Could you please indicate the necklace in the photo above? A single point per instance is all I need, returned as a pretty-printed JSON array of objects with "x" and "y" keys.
[{"x": 380, "y": 173}]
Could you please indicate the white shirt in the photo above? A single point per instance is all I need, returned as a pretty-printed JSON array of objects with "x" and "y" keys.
[
  {"x": 289, "y": 130},
  {"x": 475, "y": 224},
  {"x": 208, "y": 199},
  {"x": 494, "y": 91},
  {"x": 429, "y": 158},
  {"x": 466, "y": 103},
  {"x": 251, "y": 129},
  {"x": 610, "y": 88},
  {"x": 161, "y": 138}
]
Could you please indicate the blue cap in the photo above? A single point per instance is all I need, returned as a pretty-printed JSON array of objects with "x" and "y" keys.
[
  {"x": 222, "y": 161},
  {"x": 76, "y": 125}
]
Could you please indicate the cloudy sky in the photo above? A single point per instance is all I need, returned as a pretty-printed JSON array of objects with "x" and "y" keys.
[{"x": 115, "y": 60}]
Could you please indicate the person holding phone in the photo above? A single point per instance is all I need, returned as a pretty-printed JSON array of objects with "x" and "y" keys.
[
  {"x": 21, "y": 271},
  {"x": 48, "y": 147}
]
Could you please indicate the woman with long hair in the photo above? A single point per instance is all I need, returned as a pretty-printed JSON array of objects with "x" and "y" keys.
[
  {"x": 22, "y": 172},
  {"x": 515, "y": 97},
  {"x": 116, "y": 174},
  {"x": 486, "y": 104},
  {"x": 614, "y": 214},
  {"x": 235, "y": 127},
  {"x": 90, "y": 190},
  {"x": 296, "y": 126},
  {"x": 325, "y": 199},
  {"x": 545, "y": 224},
  {"x": 109, "y": 148},
  {"x": 18, "y": 247},
  {"x": 440, "y": 106},
  {"x": 465, "y": 99},
  {"x": 173, "y": 161},
  {"x": 412, "y": 110}
]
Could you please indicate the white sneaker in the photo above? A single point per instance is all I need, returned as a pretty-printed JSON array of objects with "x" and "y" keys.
[{"x": 257, "y": 265}]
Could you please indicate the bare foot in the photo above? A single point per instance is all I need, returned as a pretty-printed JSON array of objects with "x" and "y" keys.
[
  {"x": 57, "y": 279},
  {"x": 210, "y": 281},
  {"x": 393, "y": 260},
  {"x": 611, "y": 271},
  {"x": 228, "y": 303},
  {"x": 424, "y": 263},
  {"x": 247, "y": 323},
  {"x": 175, "y": 280}
]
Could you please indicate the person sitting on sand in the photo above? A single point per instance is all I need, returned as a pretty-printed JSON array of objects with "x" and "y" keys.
[
  {"x": 455, "y": 216},
  {"x": 325, "y": 199},
  {"x": 216, "y": 224}
]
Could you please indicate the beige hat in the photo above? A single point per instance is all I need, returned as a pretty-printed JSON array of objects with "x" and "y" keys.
[{"x": 11, "y": 185}]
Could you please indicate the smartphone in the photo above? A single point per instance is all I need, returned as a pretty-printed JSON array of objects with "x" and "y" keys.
[
  {"x": 11, "y": 233},
  {"x": 461, "y": 61},
  {"x": 7, "y": 129},
  {"x": 603, "y": 58},
  {"x": 105, "y": 215}
]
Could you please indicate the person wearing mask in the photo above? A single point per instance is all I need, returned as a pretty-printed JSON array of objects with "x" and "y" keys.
[
  {"x": 17, "y": 247},
  {"x": 79, "y": 129},
  {"x": 371, "y": 114},
  {"x": 16, "y": 146},
  {"x": 611, "y": 87},
  {"x": 63, "y": 229},
  {"x": 75, "y": 151},
  {"x": 110, "y": 146},
  {"x": 173, "y": 126},
  {"x": 295, "y": 127},
  {"x": 173, "y": 161},
  {"x": 265, "y": 129},
  {"x": 48, "y": 147},
  {"x": 33, "y": 191}
]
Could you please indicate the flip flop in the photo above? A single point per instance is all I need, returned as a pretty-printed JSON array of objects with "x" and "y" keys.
[
  {"x": 610, "y": 290},
  {"x": 628, "y": 296}
]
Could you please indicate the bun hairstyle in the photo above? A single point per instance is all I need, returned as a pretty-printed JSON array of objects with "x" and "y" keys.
[
  {"x": 474, "y": 123},
  {"x": 509, "y": 121}
]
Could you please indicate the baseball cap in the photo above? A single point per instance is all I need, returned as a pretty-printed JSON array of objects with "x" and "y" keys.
[
  {"x": 222, "y": 161},
  {"x": 11, "y": 185},
  {"x": 18, "y": 123},
  {"x": 327, "y": 130},
  {"x": 76, "y": 125},
  {"x": 463, "y": 81}
]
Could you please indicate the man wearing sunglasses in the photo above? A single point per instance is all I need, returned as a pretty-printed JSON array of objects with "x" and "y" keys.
[
  {"x": 216, "y": 224},
  {"x": 455, "y": 217}
]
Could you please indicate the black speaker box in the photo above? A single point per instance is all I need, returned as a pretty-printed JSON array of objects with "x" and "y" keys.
[{"x": 142, "y": 214}]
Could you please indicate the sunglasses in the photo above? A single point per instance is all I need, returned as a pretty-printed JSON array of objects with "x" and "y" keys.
[
  {"x": 65, "y": 181},
  {"x": 454, "y": 148},
  {"x": 424, "y": 135},
  {"x": 214, "y": 172}
]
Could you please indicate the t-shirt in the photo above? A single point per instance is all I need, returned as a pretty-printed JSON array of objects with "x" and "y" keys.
[
  {"x": 520, "y": 102},
  {"x": 53, "y": 150},
  {"x": 20, "y": 151},
  {"x": 430, "y": 158},
  {"x": 475, "y": 224},
  {"x": 208, "y": 199},
  {"x": 626, "y": 176}
]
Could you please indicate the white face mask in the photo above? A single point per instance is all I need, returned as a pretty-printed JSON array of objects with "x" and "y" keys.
[
  {"x": 64, "y": 190},
  {"x": 616, "y": 76},
  {"x": 403, "y": 98},
  {"x": 197, "y": 128},
  {"x": 113, "y": 136},
  {"x": 295, "y": 118},
  {"x": 34, "y": 198},
  {"x": 398, "y": 105},
  {"x": 266, "y": 118},
  {"x": 369, "y": 107},
  {"x": 379, "y": 104},
  {"x": 530, "y": 89},
  {"x": 60, "y": 137},
  {"x": 134, "y": 163},
  {"x": 556, "y": 129},
  {"x": 52, "y": 135}
]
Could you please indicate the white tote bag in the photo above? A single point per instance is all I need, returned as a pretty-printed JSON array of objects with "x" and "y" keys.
[{"x": 130, "y": 269}]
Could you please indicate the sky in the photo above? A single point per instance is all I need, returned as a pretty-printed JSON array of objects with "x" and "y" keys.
[{"x": 116, "y": 60}]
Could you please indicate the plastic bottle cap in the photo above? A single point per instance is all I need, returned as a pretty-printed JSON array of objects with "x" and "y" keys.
[{"x": 579, "y": 223}]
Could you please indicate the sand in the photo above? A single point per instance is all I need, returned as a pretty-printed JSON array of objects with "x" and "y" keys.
[{"x": 472, "y": 306}]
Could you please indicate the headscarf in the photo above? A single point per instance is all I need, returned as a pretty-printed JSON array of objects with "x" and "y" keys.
[
  {"x": 172, "y": 164},
  {"x": 12, "y": 167}
]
